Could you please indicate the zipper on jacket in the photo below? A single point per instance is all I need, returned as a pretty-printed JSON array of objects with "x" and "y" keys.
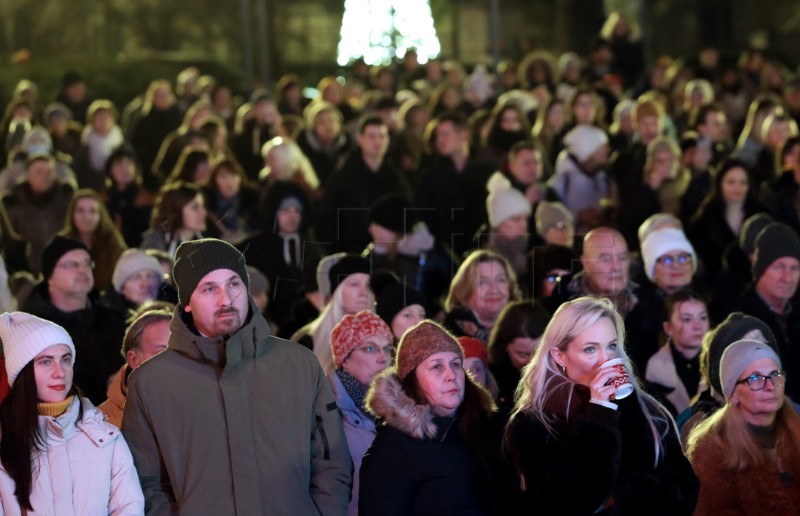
[{"x": 326, "y": 451}]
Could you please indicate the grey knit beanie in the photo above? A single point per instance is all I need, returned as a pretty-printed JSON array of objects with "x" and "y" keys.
[
  {"x": 737, "y": 357},
  {"x": 196, "y": 258}
]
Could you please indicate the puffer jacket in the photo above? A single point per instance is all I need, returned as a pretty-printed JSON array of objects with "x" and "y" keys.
[{"x": 85, "y": 469}]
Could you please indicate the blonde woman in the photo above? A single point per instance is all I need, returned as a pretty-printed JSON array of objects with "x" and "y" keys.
[
  {"x": 603, "y": 455},
  {"x": 747, "y": 454},
  {"x": 483, "y": 285}
]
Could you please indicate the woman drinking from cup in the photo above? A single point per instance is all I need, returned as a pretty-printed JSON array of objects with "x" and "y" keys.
[
  {"x": 747, "y": 454},
  {"x": 608, "y": 447}
]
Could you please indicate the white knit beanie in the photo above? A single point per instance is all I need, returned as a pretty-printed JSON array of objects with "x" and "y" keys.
[
  {"x": 504, "y": 201},
  {"x": 24, "y": 336},
  {"x": 737, "y": 357},
  {"x": 662, "y": 241},
  {"x": 583, "y": 140},
  {"x": 131, "y": 262}
]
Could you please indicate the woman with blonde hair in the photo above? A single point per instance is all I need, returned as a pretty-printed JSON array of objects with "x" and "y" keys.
[
  {"x": 604, "y": 454},
  {"x": 481, "y": 288},
  {"x": 747, "y": 454}
]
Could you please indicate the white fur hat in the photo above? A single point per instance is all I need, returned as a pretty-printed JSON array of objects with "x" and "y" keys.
[
  {"x": 660, "y": 242},
  {"x": 505, "y": 202},
  {"x": 131, "y": 262},
  {"x": 583, "y": 140},
  {"x": 25, "y": 336}
]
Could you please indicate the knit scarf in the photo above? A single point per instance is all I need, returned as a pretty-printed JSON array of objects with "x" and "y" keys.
[
  {"x": 54, "y": 409},
  {"x": 356, "y": 390}
]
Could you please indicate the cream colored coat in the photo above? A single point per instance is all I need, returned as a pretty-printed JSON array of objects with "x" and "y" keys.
[{"x": 87, "y": 469}]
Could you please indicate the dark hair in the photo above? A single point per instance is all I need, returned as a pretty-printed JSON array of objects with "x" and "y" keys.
[
  {"x": 477, "y": 401},
  {"x": 19, "y": 419},
  {"x": 143, "y": 319},
  {"x": 699, "y": 115},
  {"x": 368, "y": 120},
  {"x": 522, "y": 145},
  {"x": 784, "y": 149},
  {"x": 187, "y": 163},
  {"x": 168, "y": 213},
  {"x": 454, "y": 117},
  {"x": 124, "y": 151},
  {"x": 230, "y": 164},
  {"x": 518, "y": 319},
  {"x": 676, "y": 299},
  {"x": 714, "y": 197}
]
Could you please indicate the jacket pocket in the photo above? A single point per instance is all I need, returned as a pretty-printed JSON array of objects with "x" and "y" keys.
[{"x": 323, "y": 437}]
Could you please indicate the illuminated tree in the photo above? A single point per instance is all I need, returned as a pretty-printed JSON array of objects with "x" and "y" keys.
[{"x": 379, "y": 30}]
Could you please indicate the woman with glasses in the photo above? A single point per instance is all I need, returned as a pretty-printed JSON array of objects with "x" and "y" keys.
[
  {"x": 362, "y": 346},
  {"x": 669, "y": 264},
  {"x": 747, "y": 455}
]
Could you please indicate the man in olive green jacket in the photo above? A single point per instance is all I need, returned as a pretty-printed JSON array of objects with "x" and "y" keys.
[{"x": 229, "y": 419}]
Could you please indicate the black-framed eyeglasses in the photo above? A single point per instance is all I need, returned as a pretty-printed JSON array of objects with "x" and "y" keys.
[
  {"x": 668, "y": 260},
  {"x": 758, "y": 382}
]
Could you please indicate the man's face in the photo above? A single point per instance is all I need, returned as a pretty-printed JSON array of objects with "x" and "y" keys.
[
  {"x": 525, "y": 166},
  {"x": 289, "y": 220},
  {"x": 72, "y": 275},
  {"x": 41, "y": 175},
  {"x": 154, "y": 340},
  {"x": 780, "y": 280},
  {"x": 715, "y": 127},
  {"x": 649, "y": 127},
  {"x": 374, "y": 141},
  {"x": 219, "y": 303},
  {"x": 448, "y": 139},
  {"x": 605, "y": 259}
]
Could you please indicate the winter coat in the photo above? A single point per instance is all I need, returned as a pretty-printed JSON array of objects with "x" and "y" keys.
[
  {"x": 419, "y": 463},
  {"x": 115, "y": 404},
  {"x": 780, "y": 198},
  {"x": 85, "y": 469},
  {"x": 661, "y": 371},
  {"x": 245, "y": 426},
  {"x": 758, "y": 489},
  {"x": 577, "y": 189},
  {"x": 599, "y": 458},
  {"x": 359, "y": 430},
  {"x": 97, "y": 333},
  {"x": 36, "y": 218},
  {"x": 130, "y": 209}
]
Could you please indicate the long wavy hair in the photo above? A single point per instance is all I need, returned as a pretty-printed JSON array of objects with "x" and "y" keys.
[
  {"x": 728, "y": 429},
  {"x": 542, "y": 378},
  {"x": 466, "y": 279},
  {"x": 21, "y": 434}
]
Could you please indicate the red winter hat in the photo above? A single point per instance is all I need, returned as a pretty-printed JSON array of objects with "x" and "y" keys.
[
  {"x": 474, "y": 348},
  {"x": 354, "y": 329}
]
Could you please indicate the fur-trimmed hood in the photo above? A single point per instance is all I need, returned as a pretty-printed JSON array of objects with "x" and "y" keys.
[{"x": 387, "y": 400}]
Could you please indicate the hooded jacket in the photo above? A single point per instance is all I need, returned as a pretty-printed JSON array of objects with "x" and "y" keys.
[
  {"x": 86, "y": 468},
  {"x": 245, "y": 426},
  {"x": 419, "y": 463}
]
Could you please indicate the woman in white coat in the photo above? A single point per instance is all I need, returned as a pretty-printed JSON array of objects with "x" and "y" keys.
[{"x": 57, "y": 453}]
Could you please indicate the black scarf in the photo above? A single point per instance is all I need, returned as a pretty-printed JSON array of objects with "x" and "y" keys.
[{"x": 356, "y": 390}]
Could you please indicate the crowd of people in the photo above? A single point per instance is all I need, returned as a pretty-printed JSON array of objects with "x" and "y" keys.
[{"x": 569, "y": 288}]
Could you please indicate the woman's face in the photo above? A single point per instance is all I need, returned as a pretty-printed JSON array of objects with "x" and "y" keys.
[
  {"x": 588, "y": 351},
  {"x": 228, "y": 182},
  {"x": 734, "y": 185},
  {"x": 355, "y": 293},
  {"x": 141, "y": 286},
  {"x": 369, "y": 358},
  {"x": 514, "y": 226},
  {"x": 521, "y": 351},
  {"x": 491, "y": 293},
  {"x": 688, "y": 324},
  {"x": 441, "y": 379},
  {"x": 327, "y": 127},
  {"x": 475, "y": 367},
  {"x": 673, "y": 270},
  {"x": 584, "y": 109},
  {"x": 194, "y": 215},
  {"x": 406, "y": 318},
  {"x": 755, "y": 405},
  {"x": 52, "y": 369},
  {"x": 103, "y": 121},
  {"x": 509, "y": 121},
  {"x": 201, "y": 172},
  {"x": 87, "y": 215},
  {"x": 555, "y": 117},
  {"x": 123, "y": 172}
]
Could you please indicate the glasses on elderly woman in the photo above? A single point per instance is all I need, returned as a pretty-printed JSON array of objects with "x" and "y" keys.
[
  {"x": 758, "y": 382},
  {"x": 374, "y": 349},
  {"x": 671, "y": 260}
]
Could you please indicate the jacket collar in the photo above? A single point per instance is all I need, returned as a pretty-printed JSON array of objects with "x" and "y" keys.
[
  {"x": 246, "y": 343},
  {"x": 388, "y": 401},
  {"x": 91, "y": 423}
]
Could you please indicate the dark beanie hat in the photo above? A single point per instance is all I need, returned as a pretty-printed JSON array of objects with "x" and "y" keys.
[
  {"x": 196, "y": 258},
  {"x": 391, "y": 300},
  {"x": 56, "y": 248},
  {"x": 424, "y": 339},
  {"x": 750, "y": 230},
  {"x": 732, "y": 329},
  {"x": 347, "y": 265},
  {"x": 393, "y": 212},
  {"x": 775, "y": 241}
]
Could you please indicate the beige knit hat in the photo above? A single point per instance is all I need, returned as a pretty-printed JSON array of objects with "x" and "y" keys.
[
  {"x": 421, "y": 341},
  {"x": 24, "y": 336}
]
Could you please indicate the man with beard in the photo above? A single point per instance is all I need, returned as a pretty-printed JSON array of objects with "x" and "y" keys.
[{"x": 229, "y": 419}]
